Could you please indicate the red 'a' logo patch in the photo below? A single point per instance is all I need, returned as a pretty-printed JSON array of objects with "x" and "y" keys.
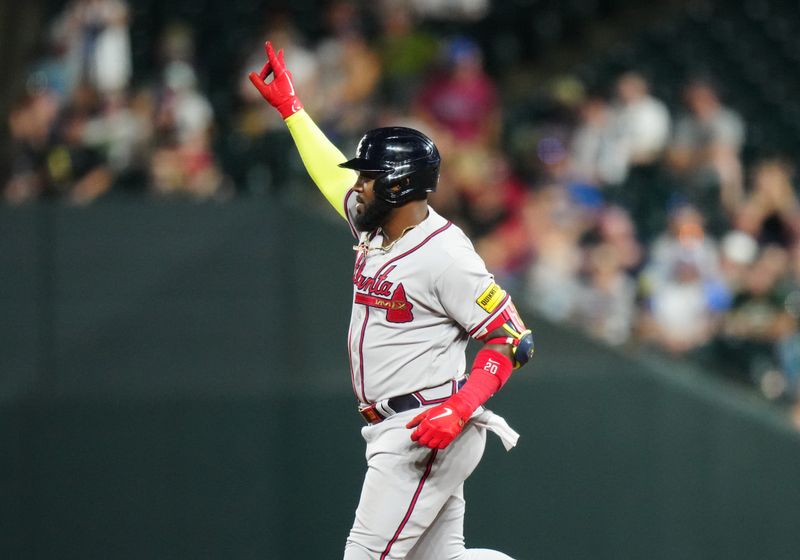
[{"x": 398, "y": 308}]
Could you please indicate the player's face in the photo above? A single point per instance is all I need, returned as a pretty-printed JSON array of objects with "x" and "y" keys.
[
  {"x": 365, "y": 192},
  {"x": 371, "y": 212}
]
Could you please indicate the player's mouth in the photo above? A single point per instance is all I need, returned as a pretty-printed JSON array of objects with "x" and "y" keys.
[{"x": 360, "y": 205}]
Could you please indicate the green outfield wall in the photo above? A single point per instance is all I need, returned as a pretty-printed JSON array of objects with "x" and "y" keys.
[{"x": 174, "y": 384}]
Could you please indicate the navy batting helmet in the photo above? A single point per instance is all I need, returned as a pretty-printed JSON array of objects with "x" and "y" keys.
[{"x": 404, "y": 162}]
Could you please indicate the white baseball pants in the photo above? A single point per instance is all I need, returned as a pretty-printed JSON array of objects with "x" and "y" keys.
[{"x": 412, "y": 501}]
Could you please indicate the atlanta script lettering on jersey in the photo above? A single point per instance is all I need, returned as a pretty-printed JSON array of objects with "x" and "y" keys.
[
  {"x": 379, "y": 286},
  {"x": 377, "y": 292}
]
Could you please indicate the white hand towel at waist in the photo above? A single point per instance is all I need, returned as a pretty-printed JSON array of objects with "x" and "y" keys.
[{"x": 497, "y": 424}]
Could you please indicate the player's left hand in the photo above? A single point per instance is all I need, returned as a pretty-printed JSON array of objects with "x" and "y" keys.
[{"x": 437, "y": 427}]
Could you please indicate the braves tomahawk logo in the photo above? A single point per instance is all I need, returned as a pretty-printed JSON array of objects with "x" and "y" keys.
[{"x": 379, "y": 292}]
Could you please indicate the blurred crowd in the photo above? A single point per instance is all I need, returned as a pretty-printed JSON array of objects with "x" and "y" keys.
[
  {"x": 84, "y": 126},
  {"x": 643, "y": 226},
  {"x": 605, "y": 208}
]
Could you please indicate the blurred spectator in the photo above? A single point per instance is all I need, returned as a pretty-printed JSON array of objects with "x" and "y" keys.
[
  {"x": 52, "y": 155},
  {"x": 49, "y": 72},
  {"x": 705, "y": 154},
  {"x": 187, "y": 170},
  {"x": 771, "y": 211},
  {"x": 553, "y": 227},
  {"x": 259, "y": 146},
  {"x": 31, "y": 121},
  {"x": 612, "y": 139},
  {"x": 183, "y": 162},
  {"x": 616, "y": 230},
  {"x": 685, "y": 235},
  {"x": 759, "y": 311},
  {"x": 96, "y": 41},
  {"x": 683, "y": 285},
  {"x": 605, "y": 304},
  {"x": 349, "y": 71},
  {"x": 485, "y": 198},
  {"x": 641, "y": 131},
  {"x": 74, "y": 168},
  {"x": 593, "y": 153},
  {"x": 183, "y": 111},
  {"x": 121, "y": 133},
  {"x": 176, "y": 44},
  {"x": 680, "y": 315},
  {"x": 605, "y": 301},
  {"x": 759, "y": 319},
  {"x": 486, "y": 193},
  {"x": 506, "y": 252},
  {"x": 540, "y": 131},
  {"x": 462, "y": 99},
  {"x": 641, "y": 123},
  {"x": 406, "y": 52}
]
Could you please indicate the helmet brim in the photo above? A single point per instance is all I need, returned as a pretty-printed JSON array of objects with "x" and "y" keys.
[{"x": 366, "y": 166}]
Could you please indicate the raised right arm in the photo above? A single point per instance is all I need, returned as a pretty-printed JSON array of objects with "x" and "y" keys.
[{"x": 320, "y": 157}]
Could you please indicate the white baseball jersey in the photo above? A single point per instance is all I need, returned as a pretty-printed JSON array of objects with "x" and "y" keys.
[{"x": 415, "y": 306}]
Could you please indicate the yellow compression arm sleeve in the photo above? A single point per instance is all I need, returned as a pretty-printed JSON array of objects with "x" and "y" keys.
[{"x": 321, "y": 159}]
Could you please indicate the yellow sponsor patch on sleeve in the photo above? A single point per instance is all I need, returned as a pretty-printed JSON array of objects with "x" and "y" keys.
[{"x": 491, "y": 297}]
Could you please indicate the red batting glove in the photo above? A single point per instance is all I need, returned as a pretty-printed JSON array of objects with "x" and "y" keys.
[
  {"x": 437, "y": 427},
  {"x": 280, "y": 91}
]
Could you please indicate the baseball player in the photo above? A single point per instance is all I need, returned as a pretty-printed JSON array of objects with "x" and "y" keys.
[{"x": 419, "y": 293}]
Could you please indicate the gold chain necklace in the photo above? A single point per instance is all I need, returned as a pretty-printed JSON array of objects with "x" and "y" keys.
[
  {"x": 399, "y": 237},
  {"x": 364, "y": 247}
]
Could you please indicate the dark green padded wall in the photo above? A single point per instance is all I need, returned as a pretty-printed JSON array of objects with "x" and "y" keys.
[{"x": 173, "y": 384}]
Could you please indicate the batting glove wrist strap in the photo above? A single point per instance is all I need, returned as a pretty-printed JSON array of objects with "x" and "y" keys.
[{"x": 492, "y": 363}]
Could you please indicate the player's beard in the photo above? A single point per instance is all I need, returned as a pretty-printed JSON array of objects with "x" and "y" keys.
[{"x": 374, "y": 215}]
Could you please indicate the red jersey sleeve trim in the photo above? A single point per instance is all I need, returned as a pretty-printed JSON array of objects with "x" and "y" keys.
[{"x": 478, "y": 331}]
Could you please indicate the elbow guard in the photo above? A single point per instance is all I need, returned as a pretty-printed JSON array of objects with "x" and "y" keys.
[
  {"x": 524, "y": 349},
  {"x": 513, "y": 332},
  {"x": 522, "y": 345}
]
